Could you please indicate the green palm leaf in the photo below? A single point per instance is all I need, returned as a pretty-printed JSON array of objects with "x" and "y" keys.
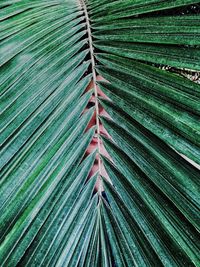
[{"x": 100, "y": 143}]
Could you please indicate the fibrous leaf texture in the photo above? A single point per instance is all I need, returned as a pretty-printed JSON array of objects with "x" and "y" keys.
[{"x": 100, "y": 143}]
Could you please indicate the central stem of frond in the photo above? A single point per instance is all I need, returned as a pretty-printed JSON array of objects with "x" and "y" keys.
[{"x": 94, "y": 75}]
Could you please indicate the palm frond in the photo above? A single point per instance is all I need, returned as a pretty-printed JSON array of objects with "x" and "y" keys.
[{"x": 98, "y": 142}]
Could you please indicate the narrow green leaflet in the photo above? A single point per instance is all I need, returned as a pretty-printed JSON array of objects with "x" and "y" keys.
[
  {"x": 180, "y": 57},
  {"x": 180, "y": 187},
  {"x": 110, "y": 10},
  {"x": 159, "y": 121}
]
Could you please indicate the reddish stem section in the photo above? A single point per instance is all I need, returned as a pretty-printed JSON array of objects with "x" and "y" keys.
[{"x": 94, "y": 144}]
